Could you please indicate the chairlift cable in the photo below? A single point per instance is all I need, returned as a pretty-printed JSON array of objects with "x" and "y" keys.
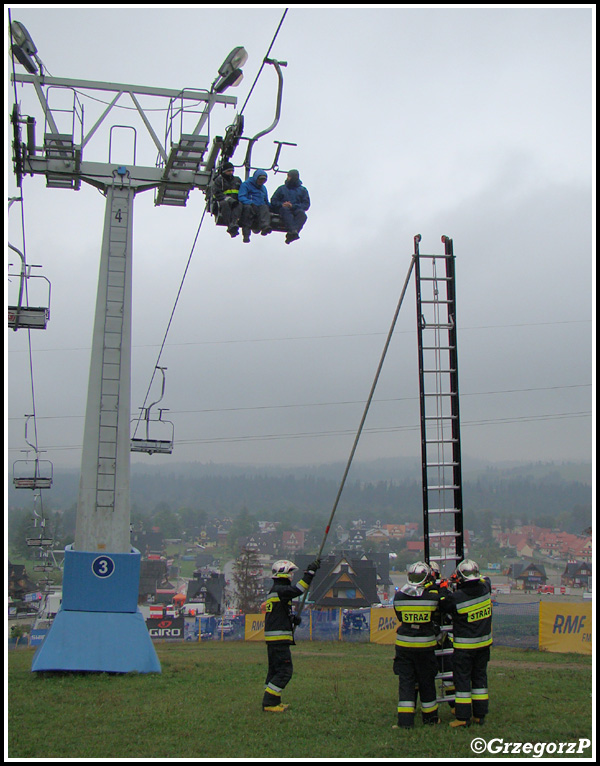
[
  {"x": 266, "y": 56},
  {"x": 362, "y": 422},
  {"x": 156, "y": 366}
]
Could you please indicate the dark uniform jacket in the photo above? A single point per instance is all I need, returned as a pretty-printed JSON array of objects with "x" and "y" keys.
[
  {"x": 417, "y": 608},
  {"x": 470, "y": 607},
  {"x": 224, "y": 187},
  {"x": 278, "y": 609}
]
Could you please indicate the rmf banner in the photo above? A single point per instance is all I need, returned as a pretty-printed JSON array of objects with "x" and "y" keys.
[
  {"x": 566, "y": 627},
  {"x": 383, "y": 625},
  {"x": 254, "y": 630}
]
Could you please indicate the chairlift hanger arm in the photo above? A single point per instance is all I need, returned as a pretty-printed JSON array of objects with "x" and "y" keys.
[{"x": 252, "y": 141}]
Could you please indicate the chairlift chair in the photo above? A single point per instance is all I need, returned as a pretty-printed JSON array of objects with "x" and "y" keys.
[
  {"x": 32, "y": 473},
  {"x": 151, "y": 445},
  {"x": 22, "y": 315}
]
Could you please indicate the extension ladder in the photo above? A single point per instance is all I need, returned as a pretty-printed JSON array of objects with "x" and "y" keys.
[{"x": 440, "y": 422}]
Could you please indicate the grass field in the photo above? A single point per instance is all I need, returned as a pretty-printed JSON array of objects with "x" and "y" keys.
[{"x": 206, "y": 704}]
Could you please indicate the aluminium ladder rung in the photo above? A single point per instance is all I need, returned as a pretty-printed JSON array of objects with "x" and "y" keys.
[
  {"x": 438, "y": 370},
  {"x": 443, "y": 510},
  {"x": 436, "y": 300},
  {"x": 453, "y": 533},
  {"x": 438, "y": 487}
]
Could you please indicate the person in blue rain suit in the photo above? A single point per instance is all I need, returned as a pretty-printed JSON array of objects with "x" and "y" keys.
[
  {"x": 290, "y": 202},
  {"x": 256, "y": 213}
]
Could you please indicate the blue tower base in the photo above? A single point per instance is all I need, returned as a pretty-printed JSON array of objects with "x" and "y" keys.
[
  {"x": 110, "y": 642},
  {"x": 99, "y": 627}
]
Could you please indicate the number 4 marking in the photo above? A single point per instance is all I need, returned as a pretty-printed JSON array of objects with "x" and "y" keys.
[{"x": 118, "y": 215}]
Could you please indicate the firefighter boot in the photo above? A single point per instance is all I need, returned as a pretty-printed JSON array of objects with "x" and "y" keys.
[
  {"x": 459, "y": 722},
  {"x": 275, "y": 708}
]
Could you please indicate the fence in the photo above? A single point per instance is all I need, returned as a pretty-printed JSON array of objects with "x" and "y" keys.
[
  {"x": 514, "y": 625},
  {"x": 555, "y": 627}
]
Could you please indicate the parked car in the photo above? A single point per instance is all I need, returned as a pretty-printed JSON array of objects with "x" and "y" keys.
[{"x": 225, "y": 627}]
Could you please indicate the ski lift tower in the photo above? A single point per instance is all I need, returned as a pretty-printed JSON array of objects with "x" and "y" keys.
[{"x": 99, "y": 627}]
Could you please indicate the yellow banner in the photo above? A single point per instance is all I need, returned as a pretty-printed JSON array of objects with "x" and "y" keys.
[
  {"x": 254, "y": 629},
  {"x": 383, "y": 625},
  {"x": 566, "y": 627}
]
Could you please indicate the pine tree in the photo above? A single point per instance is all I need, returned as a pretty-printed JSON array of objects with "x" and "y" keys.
[{"x": 248, "y": 581}]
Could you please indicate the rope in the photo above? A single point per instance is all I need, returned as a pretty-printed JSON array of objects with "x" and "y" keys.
[{"x": 362, "y": 422}]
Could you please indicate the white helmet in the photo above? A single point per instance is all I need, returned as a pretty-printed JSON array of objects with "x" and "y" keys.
[
  {"x": 435, "y": 569},
  {"x": 418, "y": 573},
  {"x": 283, "y": 568},
  {"x": 468, "y": 570}
]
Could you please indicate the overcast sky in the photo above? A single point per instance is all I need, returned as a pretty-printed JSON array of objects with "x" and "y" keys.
[{"x": 476, "y": 123}]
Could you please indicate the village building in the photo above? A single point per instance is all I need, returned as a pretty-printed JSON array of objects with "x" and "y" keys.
[
  {"x": 207, "y": 589},
  {"x": 342, "y": 581},
  {"x": 577, "y": 574},
  {"x": 527, "y": 576}
]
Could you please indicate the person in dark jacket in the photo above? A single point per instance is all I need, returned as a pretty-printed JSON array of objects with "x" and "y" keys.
[
  {"x": 279, "y": 629},
  {"x": 470, "y": 607},
  {"x": 225, "y": 189},
  {"x": 256, "y": 213},
  {"x": 415, "y": 663},
  {"x": 290, "y": 202}
]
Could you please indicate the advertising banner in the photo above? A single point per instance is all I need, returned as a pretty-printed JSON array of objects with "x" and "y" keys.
[
  {"x": 566, "y": 627},
  {"x": 383, "y": 625},
  {"x": 166, "y": 629},
  {"x": 254, "y": 629}
]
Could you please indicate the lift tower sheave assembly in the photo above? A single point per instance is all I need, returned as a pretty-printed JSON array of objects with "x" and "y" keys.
[{"x": 99, "y": 626}]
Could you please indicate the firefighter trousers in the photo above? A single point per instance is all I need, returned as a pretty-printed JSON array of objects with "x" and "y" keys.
[
  {"x": 279, "y": 673},
  {"x": 416, "y": 667},
  {"x": 470, "y": 681}
]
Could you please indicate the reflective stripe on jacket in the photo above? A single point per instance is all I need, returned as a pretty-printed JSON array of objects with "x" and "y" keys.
[
  {"x": 278, "y": 609},
  {"x": 470, "y": 607},
  {"x": 417, "y": 610}
]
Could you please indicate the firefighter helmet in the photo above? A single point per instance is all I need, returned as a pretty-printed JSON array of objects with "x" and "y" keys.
[
  {"x": 467, "y": 570},
  {"x": 435, "y": 569},
  {"x": 418, "y": 573},
  {"x": 283, "y": 568}
]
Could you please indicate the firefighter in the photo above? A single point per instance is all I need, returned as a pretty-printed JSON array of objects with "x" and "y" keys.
[
  {"x": 279, "y": 629},
  {"x": 470, "y": 607},
  {"x": 416, "y": 639}
]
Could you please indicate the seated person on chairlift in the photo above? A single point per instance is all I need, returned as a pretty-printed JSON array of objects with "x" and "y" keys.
[
  {"x": 256, "y": 214},
  {"x": 290, "y": 202},
  {"x": 225, "y": 190}
]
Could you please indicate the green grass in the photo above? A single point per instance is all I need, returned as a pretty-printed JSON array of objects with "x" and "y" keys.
[{"x": 206, "y": 704}]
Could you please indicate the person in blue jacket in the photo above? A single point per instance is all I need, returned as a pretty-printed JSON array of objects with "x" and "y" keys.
[
  {"x": 256, "y": 213},
  {"x": 291, "y": 201}
]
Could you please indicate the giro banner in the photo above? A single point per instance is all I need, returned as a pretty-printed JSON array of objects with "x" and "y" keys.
[
  {"x": 383, "y": 625},
  {"x": 566, "y": 627},
  {"x": 166, "y": 629},
  {"x": 254, "y": 630}
]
